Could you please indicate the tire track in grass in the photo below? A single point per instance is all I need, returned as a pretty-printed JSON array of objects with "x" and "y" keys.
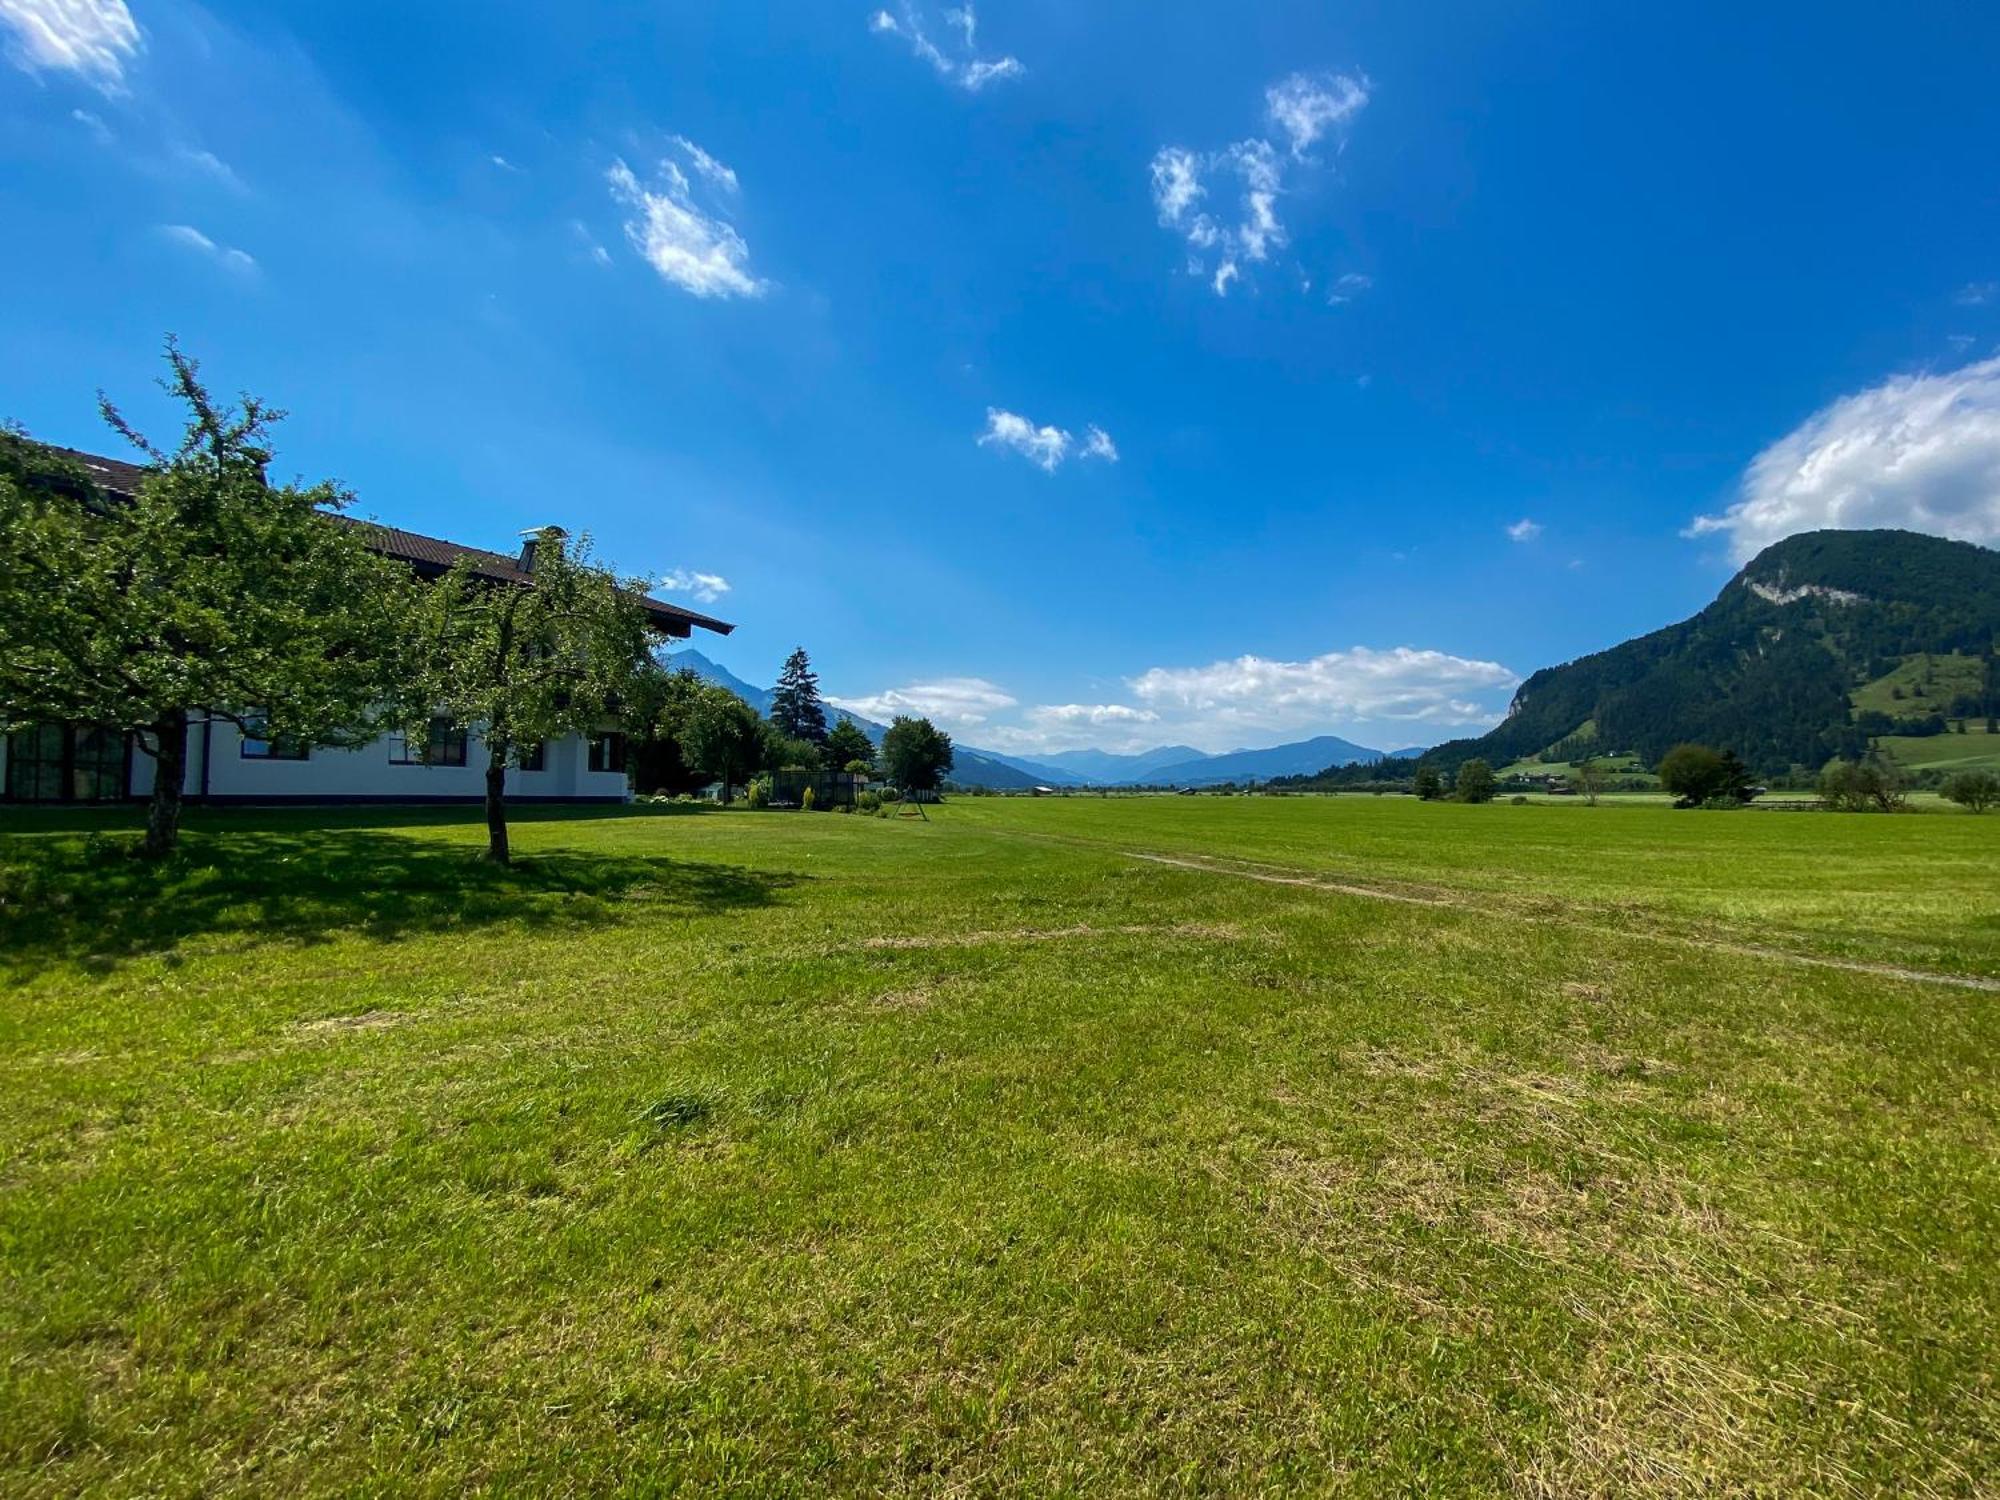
[{"x": 1433, "y": 897}]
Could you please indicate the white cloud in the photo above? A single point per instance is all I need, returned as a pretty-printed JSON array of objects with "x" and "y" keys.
[
  {"x": 1304, "y": 109},
  {"x": 99, "y": 131},
  {"x": 707, "y": 165},
  {"x": 1306, "y": 106},
  {"x": 1094, "y": 714},
  {"x": 1524, "y": 530},
  {"x": 695, "y": 249},
  {"x": 1046, "y": 447},
  {"x": 502, "y": 163},
  {"x": 1918, "y": 452},
  {"x": 948, "y": 701},
  {"x": 1977, "y": 293},
  {"x": 239, "y": 261},
  {"x": 1222, "y": 706},
  {"x": 1176, "y": 184},
  {"x": 953, "y": 61},
  {"x": 1348, "y": 287},
  {"x": 1253, "y": 693},
  {"x": 91, "y": 38},
  {"x": 705, "y": 587}
]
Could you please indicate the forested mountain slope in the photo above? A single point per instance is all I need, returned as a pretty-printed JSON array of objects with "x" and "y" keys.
[{"x": 1769, "y": 668}]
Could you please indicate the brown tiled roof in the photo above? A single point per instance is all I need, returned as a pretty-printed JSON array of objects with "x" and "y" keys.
[{"x": 429, "y": 555}]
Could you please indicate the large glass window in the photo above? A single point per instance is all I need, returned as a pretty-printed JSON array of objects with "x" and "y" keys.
[
  {"x": 443, "y": 746},
  {"x": 64, "y": 763},
  {"x": 607, "y": 752}
]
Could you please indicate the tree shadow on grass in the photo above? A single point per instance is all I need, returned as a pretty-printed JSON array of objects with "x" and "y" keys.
[{"x": 71, "y": 897}]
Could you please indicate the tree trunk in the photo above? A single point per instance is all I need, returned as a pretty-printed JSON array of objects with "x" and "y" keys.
[
  {"x": 163, "y": 815},
  {"x": 496, "y": 803}
]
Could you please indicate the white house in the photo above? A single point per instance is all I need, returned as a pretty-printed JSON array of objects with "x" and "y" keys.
[{"x": 74, "y": 763}]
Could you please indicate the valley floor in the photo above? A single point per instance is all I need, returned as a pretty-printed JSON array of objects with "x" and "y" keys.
[{"x": 1078, "y": 1145}]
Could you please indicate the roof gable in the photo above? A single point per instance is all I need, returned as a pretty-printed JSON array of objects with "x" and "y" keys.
[{"x": 429, "y": 555}]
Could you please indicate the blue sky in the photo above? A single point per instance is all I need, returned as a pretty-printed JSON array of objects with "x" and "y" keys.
[{"x": 1336, "y": 365}]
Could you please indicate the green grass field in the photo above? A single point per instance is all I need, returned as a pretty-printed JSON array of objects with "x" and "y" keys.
[
  {"x": 1975, "y": 749},
  {"x": 1923, "y": 684},
  {"x": 1178, "y": 1145}
]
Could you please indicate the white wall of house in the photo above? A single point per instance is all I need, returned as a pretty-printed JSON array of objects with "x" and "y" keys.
[{"x": 367, "y": 774}]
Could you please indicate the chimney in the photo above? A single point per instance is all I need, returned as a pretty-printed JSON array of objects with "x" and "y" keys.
[{"x": 532, "y": 540}]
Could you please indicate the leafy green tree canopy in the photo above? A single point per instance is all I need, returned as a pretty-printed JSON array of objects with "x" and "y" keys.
[
  {"x": 524, "y": 663},
  {"x": 916, "y": 754},
  {"x": 1475, "y": 781},
  {"x": 1700, "y": 773},
  {"x": 795, "y": 702},
  {"x": 210, "y": 590},
  {"x": 1428, "y": 784},
  {"x": 788, "y": 752},
  {"x": 845, "y": 742},
  {"x": 716, "y": 730}
]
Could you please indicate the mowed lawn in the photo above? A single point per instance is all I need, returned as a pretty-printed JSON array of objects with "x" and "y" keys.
[{"x": 792, "y": 1154}]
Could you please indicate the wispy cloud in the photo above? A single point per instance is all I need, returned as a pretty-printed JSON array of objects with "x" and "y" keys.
[
  {"x": 1977, "y": 294},
  {"x": 954, "y": 58},
  {"x": 207, "y": 164},
  {"x": 690, "y": 244},
  {"x": 1524, "y": 530},
  {"x": 502, "y": 163},
  {"x": 705, "y": 588},
  {"x": 99, "y": 131},
  {"x": 953, "y": 702},
  {"x": 1348, "y": 287},
  {"x": 1045, "y": 447},
  {"x": 1307, "y": 106},
  {"x": 92, "y": 38},
  {"x": 1304, "y": 108},
  {"x": 1917, "y": 452},
  {"x": 707, "y": 165},
  {"x": 186, "y": 235}
]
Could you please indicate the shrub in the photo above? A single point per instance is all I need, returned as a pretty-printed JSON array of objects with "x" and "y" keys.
[
  {"x": 868, "y": 802},
  {"x": 1518, "y": 800},
  {"x": 807, "y": 799},
  {"x": 1975, "y": 791},
  {"x": 1872, "y": 785},
  {"x": 758, "y": 793}
]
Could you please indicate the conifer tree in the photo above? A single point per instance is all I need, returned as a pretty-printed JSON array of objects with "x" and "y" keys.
[{"x": 795, "y": 704}]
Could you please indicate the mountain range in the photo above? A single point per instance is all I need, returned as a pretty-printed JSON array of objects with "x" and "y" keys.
[
  {"x": 1791, "y": 665},
  {"x": 1167, "y": 765}
]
